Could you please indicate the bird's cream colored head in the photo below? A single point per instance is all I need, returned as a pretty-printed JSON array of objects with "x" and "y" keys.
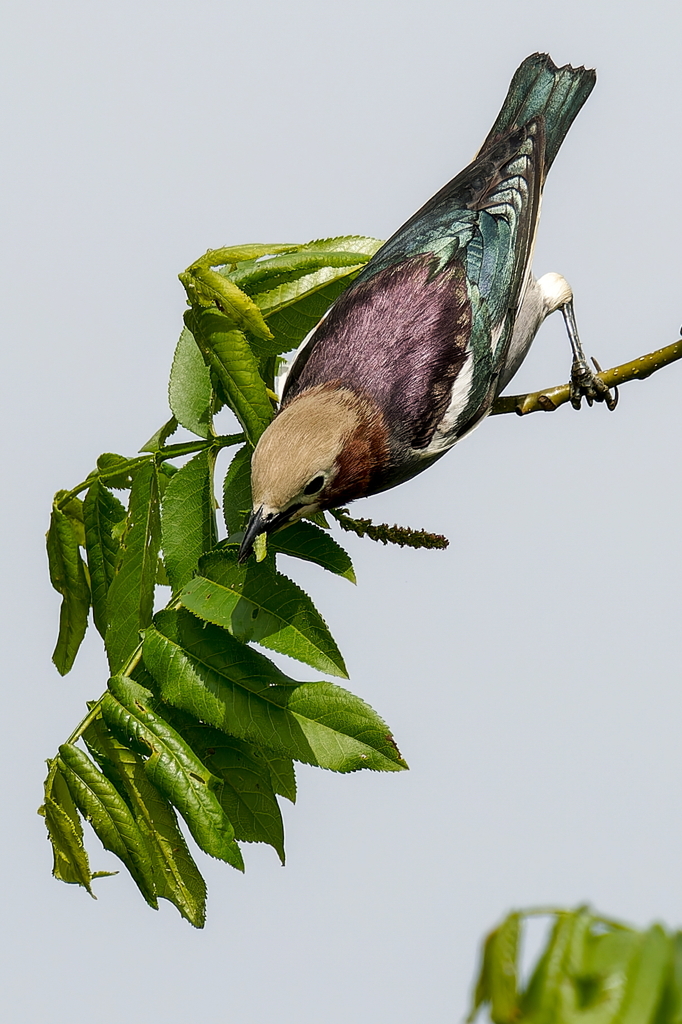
[{"x": 316, "y": 453}]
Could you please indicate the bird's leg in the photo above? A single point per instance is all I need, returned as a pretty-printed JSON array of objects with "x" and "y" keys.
[{"x": 583, "y": 380}]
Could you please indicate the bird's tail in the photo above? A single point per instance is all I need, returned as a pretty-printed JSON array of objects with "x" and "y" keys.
[{"x": 540, "y": 87}]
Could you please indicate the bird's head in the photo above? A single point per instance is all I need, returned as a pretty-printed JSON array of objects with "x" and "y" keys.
[{"x": 322, "y": 450}]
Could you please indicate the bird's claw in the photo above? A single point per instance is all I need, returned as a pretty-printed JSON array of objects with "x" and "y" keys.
[{"x": 585, "y": 383}]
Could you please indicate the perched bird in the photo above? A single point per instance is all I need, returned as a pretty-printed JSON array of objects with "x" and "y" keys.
[{"x": 412, "y": 355}]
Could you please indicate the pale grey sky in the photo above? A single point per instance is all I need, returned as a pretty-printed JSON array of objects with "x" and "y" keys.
[{"x": 531, "y": 674}]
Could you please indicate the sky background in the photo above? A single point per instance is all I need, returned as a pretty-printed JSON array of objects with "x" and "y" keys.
[{"x": 531, "y": 674}]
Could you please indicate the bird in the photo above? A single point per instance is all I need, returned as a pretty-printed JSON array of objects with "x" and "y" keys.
[{"x": 410, "y": 358}]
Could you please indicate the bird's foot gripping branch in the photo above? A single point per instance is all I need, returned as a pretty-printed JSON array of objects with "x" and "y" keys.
[{"x": 195, "y": 721}]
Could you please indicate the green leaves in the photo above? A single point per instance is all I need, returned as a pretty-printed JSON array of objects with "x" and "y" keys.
[
  {"x": 100, "y": 803},
  {"x": 246, "y": 794},
  {"x": 195, "y": 721},
  {"x": 203, "y": 670},
  {"x": 209, "y": 287},
  {"x": 69, "y": 578},
  {"x": 172, "y": 767},
  {"x": 592, "y": 971},
  {"x": 176, "y": 876},
  {"x": 254, "y": 602}
]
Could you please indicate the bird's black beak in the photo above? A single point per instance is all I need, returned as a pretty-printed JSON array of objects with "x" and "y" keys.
[
  {"x": 254, "y": 526},
  {"x": 258, "y": 523}
]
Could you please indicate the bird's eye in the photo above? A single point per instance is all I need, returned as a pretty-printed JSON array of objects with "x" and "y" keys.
[{"x": 315, "y": 485}]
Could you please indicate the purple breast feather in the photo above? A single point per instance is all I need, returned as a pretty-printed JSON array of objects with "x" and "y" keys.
[{"x": 399, "y": 338}]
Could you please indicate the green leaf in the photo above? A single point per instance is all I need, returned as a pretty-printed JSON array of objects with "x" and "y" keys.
[
  {"x": 597, "y": 981},
  {"x": 108, "y": 813},
  {"x": 131, "y": 593},
  {"x": 284, "y": 295},
  {"x": 189, "y": 387},
  {"x": 362, "y": 244},
  {"x": 497, "y": 981},
  {"x": 228, "y": 354},
  {"x": 68, "y": 577},
  {"x": 202, "y": 669},
  {"x": 303, "y": 540},
  {"x": 237, "y": 491},
  {"x": 233, "y": 254},
  {"x": 172, "y": 767},
  {"x": 323, "y": 268},
  {"x": 646, "y": 977},
  {"x": 102, "y": 511},
  {"x": 117, "y": 471},
  {"x": 282, "y": 773},
  {"x": 292, "y": 323},
  {"x": 259, "y": 278},
  {"x": 158, "y": 440},
  {"x": 482, "y": 990},
  {"x": 256, "y": 603},
  {"x": 204, "y": 286},
  {"x": 670, "y": 1010},
  {"x": 246, "y": 795},
  {"x": 70, "y": 860},
  {"x": 176, "y": 876},
  {"x": 73, "y": 510},
  {"x": 503, "y": 951},
  {"x": 188, "y": 527},
  {"x": 542, "y": 994}
]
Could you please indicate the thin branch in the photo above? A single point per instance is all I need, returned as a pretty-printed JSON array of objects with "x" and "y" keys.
[
  {"x": 171, "y": 451},
  {"x": 94, "y": 707},
  {"x": 551, "y": 398}
]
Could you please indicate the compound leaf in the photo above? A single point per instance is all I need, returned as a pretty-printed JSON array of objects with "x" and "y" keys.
[{"x": 172, "y": 767}]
